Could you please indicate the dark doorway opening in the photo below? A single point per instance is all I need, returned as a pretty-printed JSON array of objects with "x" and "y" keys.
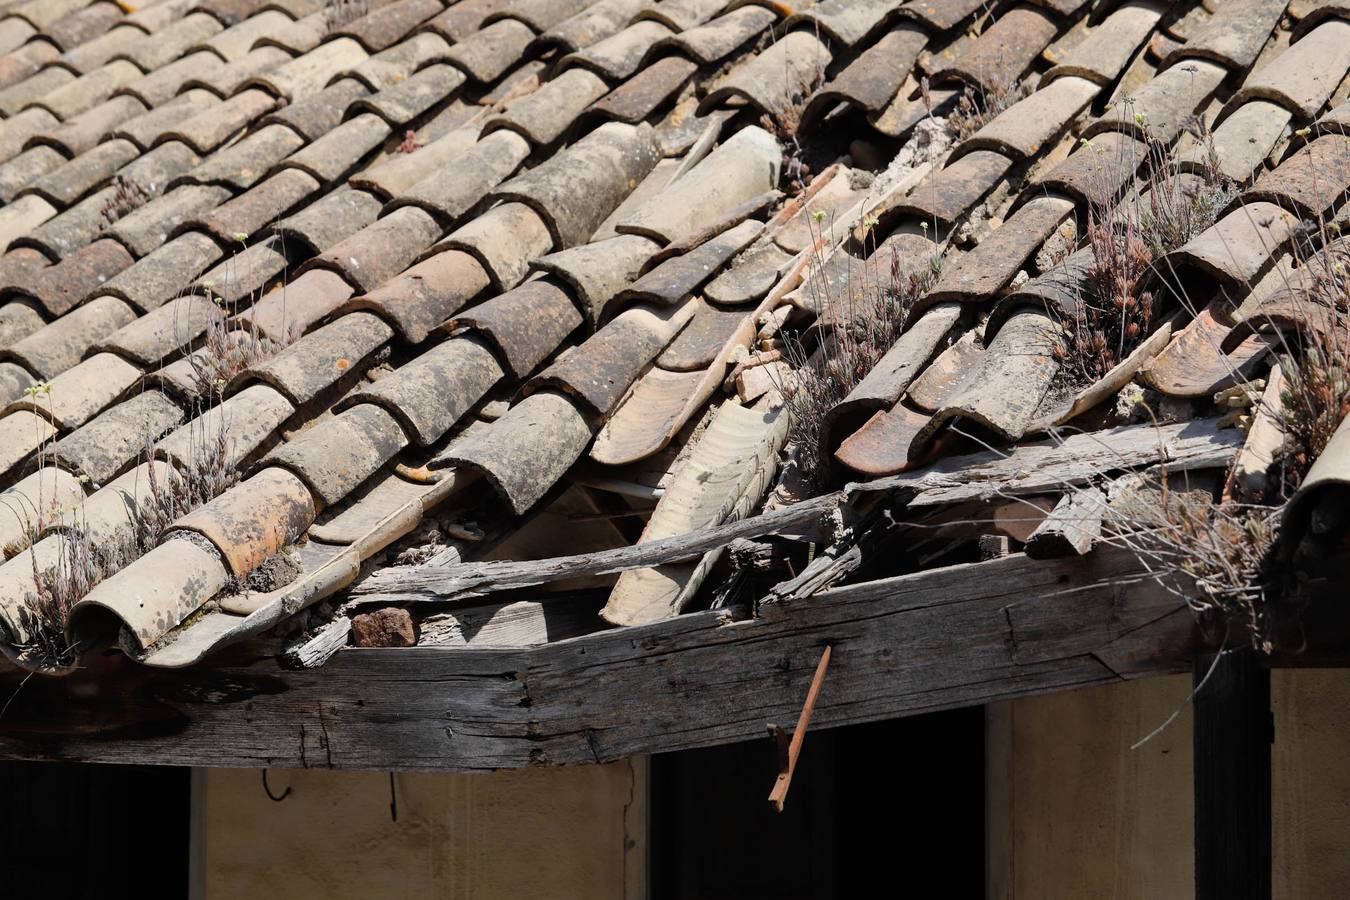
[
  {"x": 893, "y": 809},
  {"x": 79, "y": 831}
]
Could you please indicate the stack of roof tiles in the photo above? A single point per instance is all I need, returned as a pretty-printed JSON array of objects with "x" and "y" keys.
[{"x": 491, "y": 245}]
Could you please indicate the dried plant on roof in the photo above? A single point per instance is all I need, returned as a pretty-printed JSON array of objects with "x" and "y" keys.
[
  {"x": 976, "y": 108},
  {"x": 341, "y": 13},
  {"x": 831, "y": 360},
  {"x": 225, "y": 353},
  {"x": 126, "y": 196},
  {"x": 1128, "y": 234},
  {"x": 1218, "y": 557},
  {"x": 1315, "y": 398}
]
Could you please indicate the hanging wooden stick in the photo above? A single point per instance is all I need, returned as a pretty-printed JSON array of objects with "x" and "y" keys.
[{"x": 787, "y": 761}]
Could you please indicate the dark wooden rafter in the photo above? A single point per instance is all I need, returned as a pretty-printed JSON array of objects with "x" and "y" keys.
[{"x": 959, "y": 636}]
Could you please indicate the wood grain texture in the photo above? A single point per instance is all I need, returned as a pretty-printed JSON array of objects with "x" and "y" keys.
[{"x": 959, "y": 636}]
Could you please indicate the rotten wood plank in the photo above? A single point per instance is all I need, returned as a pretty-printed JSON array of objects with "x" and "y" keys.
[
  {"x": 959, "y": 636},
  {"x": 1042, "y": 467}
]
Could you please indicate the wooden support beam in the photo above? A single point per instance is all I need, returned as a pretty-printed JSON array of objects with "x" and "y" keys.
[
  {"x": 1233, "y": 733},
  {"x": 958, "y": 636}
]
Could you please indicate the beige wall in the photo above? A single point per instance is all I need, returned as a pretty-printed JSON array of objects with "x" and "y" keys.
[
  {"x": 555, "y": 833},
  {"x": 1073, "y": 812}
]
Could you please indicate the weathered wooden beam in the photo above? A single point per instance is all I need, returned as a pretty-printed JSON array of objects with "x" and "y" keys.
[
  {"x": 960, "y": 636},
  {"x": 1045, "y": 466},
  {"x": 1233, "y": 733}
]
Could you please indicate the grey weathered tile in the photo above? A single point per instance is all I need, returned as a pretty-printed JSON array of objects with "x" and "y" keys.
[
  {"x": 401, "y": 103},
  {"x": 421, "y": 298},
  {"x": 332, "y": 156},
  {"x": 597, "y": 271},
  {"x": 102, "y": 447},
  {"x": 453, "y": 190},
  {"x": 503, "y": 240},
  {"x": 527, "y": 324},
  {"x": 576, "y": 189},
  {"x": 382, "y": 249},
  {"x": 62, "y": 287},
  {"x": 544, "y": 115},
  {"x": 146, "y": 227},
  {"x": 330, "y": 219},
  {"x": 337, "y": 453},
  {"x": 524, "y": 453},
  {"x": 165, "y": 272},
  {"x": 617, "y": 57},
  {"x": 432, "y": 392},
  {"x": 323, "y": 357},
  {"x": 778, "y": 80}
]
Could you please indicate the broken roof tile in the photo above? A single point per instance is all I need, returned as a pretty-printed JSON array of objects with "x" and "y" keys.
[{"x": 738, "y": 170}]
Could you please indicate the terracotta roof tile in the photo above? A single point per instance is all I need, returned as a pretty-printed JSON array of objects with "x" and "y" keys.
[{"x": 381, "y": 254}]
